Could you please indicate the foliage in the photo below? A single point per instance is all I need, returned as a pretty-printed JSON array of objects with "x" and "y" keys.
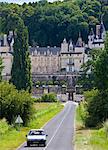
[
  {"x": 97, "y": 101},
  {"x": 50, "y": 82},
  {"x": 21, "y": 68},
  {"x": 96, "y": 106},
  {"x": 14, "y": 103},
  {"x": 38, "y": 83},
  {"x": 4, "y": 127},
  {"x": 101, "y": 68},
  {"x": 87, "y": 78},
  {"x": 9, "y": 140},
  {"x": 50, "y": 97},
  {"x": 55, "y": 21}
]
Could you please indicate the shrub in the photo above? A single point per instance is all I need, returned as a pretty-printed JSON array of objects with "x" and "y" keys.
[
  {"x": 50, "y": 82},
  {"x": 97, "y": 107},
  {"x": 82, "y": 112},
  {"x": 14, "y": 103},
  {"x": 51, "y": 97},
  {"x": 4, "y": 127},
  {"x": 38, "y": 83}
]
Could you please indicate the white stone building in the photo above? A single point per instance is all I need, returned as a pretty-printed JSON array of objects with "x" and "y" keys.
[
  {"x": 72, "y": 57},
  {"x": 45, "y": 60},
  {"x": 49, "y": 60},
  {"x": 6, "y": 48}
]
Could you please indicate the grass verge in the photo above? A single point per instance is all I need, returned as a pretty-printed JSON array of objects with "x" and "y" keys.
[
  {"x": 89, "y": 139},
  {"x": 44, "y": 112}
]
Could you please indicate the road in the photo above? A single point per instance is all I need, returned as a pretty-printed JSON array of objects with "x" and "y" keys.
[{"x": 60, "y": 131}]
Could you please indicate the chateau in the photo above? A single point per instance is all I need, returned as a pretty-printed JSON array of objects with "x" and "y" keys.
[
  {"x": 50, "y": 60},
  {"x": 69, "y": 57}
]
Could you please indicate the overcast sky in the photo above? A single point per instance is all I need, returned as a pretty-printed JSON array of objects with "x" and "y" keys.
[{"x": 21, "y": 1}]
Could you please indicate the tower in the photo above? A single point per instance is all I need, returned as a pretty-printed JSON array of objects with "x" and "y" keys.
[
  {"x": 91, "y": 38},
  {"x": 71, "y": 46},
  {"x": 102, "y": 30},
  {"x": 64, "y": 46},
  {"x": 79, "y": 41}
]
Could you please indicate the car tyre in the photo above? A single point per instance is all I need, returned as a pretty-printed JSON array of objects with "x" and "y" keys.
[
  {"x": 44, "y": 144},
  {"x": 28, "y": 144}
]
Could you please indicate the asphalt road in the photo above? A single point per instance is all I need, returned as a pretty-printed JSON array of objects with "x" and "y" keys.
[{"x": 60, "y": 131}]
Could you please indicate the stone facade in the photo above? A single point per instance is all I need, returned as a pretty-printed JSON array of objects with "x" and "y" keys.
[
  {"x": 50, "y": 60},
  {"x": 6, "y": 48},
  {"x": 72, "y": 58},
  {"x": 45, "y": 60}
]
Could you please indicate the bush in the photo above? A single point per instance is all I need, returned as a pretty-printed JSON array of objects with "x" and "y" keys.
[
  {"x": 82, "y": 112},
  {"x": 50, "y": 82},
  {"x": 51, "y": 97},
  {"x": 14, "y": 103},
  {"x": 97, "y": 107},
  {"x": 4, "y": 127}
]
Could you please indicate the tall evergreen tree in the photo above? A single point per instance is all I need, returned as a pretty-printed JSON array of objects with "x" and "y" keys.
[{"x": 21, "y": 68}]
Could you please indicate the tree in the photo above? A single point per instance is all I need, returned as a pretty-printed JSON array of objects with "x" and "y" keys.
[
  {"x": 87, "y": 77},
  {"x": 97, "y": 105},
  {"x": 14, "y": 103},
  {"x": 101, "y": 68},
  {"x": 21, "y": 68}
]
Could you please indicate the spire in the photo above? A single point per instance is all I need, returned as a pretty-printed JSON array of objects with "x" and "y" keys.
[
  {"x": 79, "y": 42},
  {"x": 64, "y": 41},
  {"x": 91, "y": 31},
  {"x": 64, "y": 46},
  {"x": 71, "y": 46},
  {"x": 91, "y": 35},
  {"x": 102, "y": 29}
]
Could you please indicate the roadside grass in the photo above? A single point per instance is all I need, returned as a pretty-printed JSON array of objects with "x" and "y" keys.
[
  {"x": 89, "y": 139},
  {"x": 44, "y": 112}
]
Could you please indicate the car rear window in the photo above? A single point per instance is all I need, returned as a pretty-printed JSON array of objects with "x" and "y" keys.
[{"x": 36, "y": 133}]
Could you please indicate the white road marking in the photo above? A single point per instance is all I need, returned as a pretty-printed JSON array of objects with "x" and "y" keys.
[
  {"x": 57, "y": 129},
  {"x": 21, "y": 146}
]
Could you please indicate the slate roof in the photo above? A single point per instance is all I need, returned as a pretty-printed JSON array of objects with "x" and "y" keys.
[{"x": 45, "y": 50}]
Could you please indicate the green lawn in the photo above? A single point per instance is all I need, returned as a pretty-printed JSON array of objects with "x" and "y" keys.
[
  {"x": 89, "y": 139},
  {"x": 44, "y": 112}
]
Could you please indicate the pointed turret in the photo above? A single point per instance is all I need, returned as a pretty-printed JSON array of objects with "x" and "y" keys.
[
  {"x": 64, "y": 46},
  {"x": 91, "y": 35},
  {"x": 102, "y": 30},
  {"x": 79, "y": 42},
  {"x": 71, "y": 46}
]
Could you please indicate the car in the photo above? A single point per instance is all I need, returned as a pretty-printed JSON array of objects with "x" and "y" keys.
[{"x": 36, "y": 136}]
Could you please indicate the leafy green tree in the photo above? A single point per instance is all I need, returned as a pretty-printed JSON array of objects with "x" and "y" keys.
[
  {"x": 21, "y": 68},
  {"x": 14, "y": 103},
  {"x": 97, "y": 103},
  {"x": 87, "y": 78},
  {"x": 101, "y": 68},
  {"x": 55, "y": 21}
]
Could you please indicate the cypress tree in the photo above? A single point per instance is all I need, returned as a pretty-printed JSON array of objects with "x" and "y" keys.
[{"x": 21, "y": 68}]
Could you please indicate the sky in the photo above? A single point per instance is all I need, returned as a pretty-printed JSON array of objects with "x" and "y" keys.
[{"x": 21, "y": 1}]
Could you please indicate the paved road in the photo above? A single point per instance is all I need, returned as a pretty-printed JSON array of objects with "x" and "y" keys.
[{"x": 60, "y": 131}]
